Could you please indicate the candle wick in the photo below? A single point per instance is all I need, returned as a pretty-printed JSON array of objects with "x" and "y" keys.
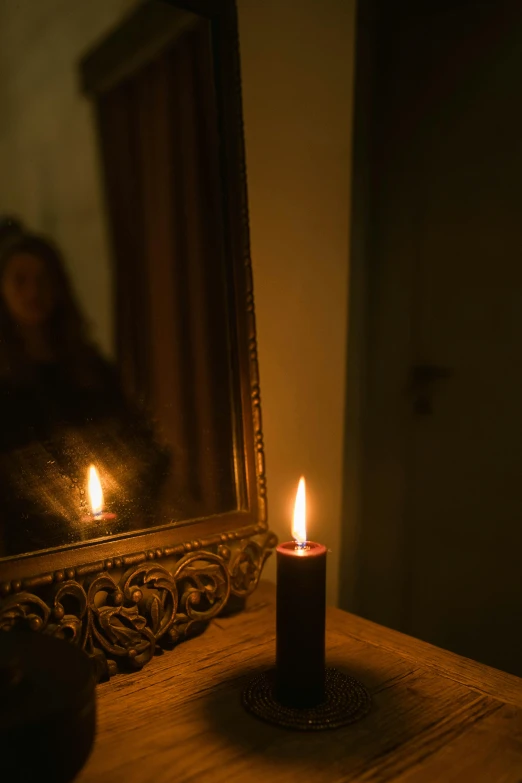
[{"x": 302, "y": 544}]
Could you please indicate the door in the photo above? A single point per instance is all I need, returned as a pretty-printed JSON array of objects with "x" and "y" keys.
[{"x": 441, "y": 533}]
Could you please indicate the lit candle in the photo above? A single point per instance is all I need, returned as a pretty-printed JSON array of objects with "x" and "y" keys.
[
  {"x": 96, "y": 498},
  {"x": 300, "y": 621}
]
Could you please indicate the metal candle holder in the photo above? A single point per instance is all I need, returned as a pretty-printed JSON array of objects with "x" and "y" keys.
[{"x": 346, "y": 701}]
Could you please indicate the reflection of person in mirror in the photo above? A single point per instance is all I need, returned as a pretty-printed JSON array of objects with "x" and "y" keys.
[{"x": 61, "y": 405}]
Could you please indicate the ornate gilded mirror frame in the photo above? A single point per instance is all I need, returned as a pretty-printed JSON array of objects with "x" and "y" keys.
[{"x": 122, "y": 599}]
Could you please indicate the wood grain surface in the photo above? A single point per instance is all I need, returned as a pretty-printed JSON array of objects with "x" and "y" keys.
[{"x": 436, "y": 717}]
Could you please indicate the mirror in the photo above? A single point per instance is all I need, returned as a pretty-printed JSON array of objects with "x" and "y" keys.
[{"x": 120, "y": 395}]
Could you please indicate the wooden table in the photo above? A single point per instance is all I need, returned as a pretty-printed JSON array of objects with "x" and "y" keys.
[{"x": 436, "y": 716}]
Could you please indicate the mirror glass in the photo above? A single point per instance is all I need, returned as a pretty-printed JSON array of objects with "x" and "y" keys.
[{"x": 116, "y": 390}]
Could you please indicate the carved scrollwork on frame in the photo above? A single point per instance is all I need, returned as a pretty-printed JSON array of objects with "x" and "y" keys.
[
  {"x": 117, "y": 630},
  {"x": 204, "y": 585},
  {"x": 245, "y": 563},
  {"x": 25, "y": 611},
  {"x": 68, "y": 618},
  {"x": 122, "y": 620}
]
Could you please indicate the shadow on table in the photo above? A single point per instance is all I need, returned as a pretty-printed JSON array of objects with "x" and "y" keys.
[{"x": 347, "y": 749}]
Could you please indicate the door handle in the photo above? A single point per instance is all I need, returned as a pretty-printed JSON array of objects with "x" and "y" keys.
[{"x": 423, "y": 379}]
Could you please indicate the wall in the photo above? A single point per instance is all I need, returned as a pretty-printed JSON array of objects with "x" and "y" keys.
[
  {"x": 297, "y": 70},
  {"x": 48, "y": 156}
]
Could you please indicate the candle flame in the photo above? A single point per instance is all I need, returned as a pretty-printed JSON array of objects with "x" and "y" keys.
[
  {"x": 95, "y": 491},
  {"x": 299, "y": 525}
]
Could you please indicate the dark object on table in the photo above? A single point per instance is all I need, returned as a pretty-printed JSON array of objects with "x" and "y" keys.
[{"x": 47, "y": 708}]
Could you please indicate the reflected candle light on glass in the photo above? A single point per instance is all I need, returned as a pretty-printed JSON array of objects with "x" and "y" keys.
[
  {"x": 300, "y": 617},
  {"x": 96, "y": 498}
]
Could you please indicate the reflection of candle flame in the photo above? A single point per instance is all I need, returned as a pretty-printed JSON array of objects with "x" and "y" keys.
[
  {"x": 299, "y": 525},
  {"x": 95, "y": 491}
]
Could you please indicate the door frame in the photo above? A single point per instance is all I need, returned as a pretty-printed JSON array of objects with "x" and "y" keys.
[{"x": 374, "y": 578}]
